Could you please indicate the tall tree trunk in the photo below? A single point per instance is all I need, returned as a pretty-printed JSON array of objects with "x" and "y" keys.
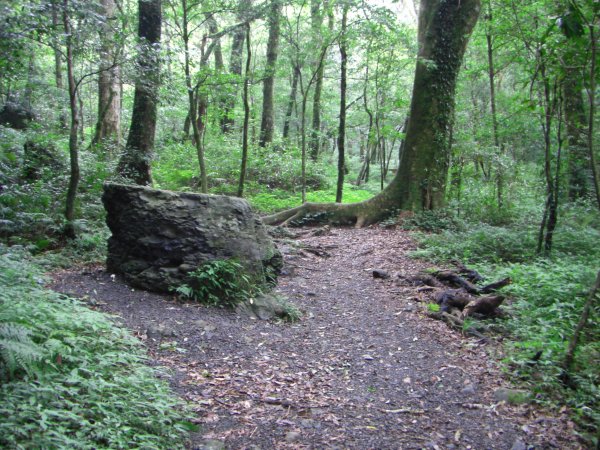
[
  {"x": 316, "y": 17},
  {"x": 135, "y": 161},
  {"x": 492, "y": 81},
  {"x": 108, "y": 125},
  {"x": 341, "y": 166},
  {"x": 444, "y": 30},
  {"x": 267, "y": 121},
  {"x": 219, "y": 93},
  {"x": 235, "y": 66},
  {"x": 291, "y": 101},
  {"x": 58, "y": 75},
  {"x": 246, "y": 115},
  {"x": 575, "y": 117},
  {"x": 73, "y": 142},
  {"x": 592, "y": 110},
  {"x": 197, "y": 103},
  {"x": 549, "y": 217}
]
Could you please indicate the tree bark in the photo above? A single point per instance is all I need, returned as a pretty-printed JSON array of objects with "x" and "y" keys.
[
  {"x": 592, "y": 110},
  {"x": 291, "y": 101},
  {"x": 135, "y": 161},
  {"x": 267, "y": 120},
  {"x": 492, "y": 81},
  {"x": 342, "y": 128},
  {"x": 235, "y": 66},
  {"x": 73, "y": 142},
  {"x": 246, "y": 115},
  {"x": 58, "y": 75},
  {"x": 108, "y": 125},
  {"x": 444, "y": 30},
  {"x": 316, "y": 17}
]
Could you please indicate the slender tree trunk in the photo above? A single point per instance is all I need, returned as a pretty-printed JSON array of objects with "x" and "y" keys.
[
  {"x": 73, "y": 142},
  {"x": 342, "y": 128},
  {"x": 246, "y": 115},
  {"x": 219, "y": 91},
  {"x": 58, "y": 75},
  {"x": 592, "y": 110},
  {"x": 303, "y": 138},
  {"x": 549, "y": 217},
  {"x": 316, "y": 17},
  {"x": 108, "y": 125},
  {"x": 553, "y": 211},
  {"x": 135, "y": 161},
  {"x": 267, "y": 122},
  {"x": 235, "y": 66},
  {"x": 575, "y": 117},
  {"x": 365, "y": 169},
  {"x": 196, "y": 100},
  {"x": 291, "y": 101},
  {"x": 492, "y": 81}
]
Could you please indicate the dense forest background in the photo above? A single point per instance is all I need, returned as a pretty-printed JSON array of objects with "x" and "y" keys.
[{"x": 283, "y": 102}]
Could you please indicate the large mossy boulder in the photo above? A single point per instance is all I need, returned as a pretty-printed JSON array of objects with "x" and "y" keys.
[
  {"x": 160, "y": 237},
  {"x": 16, "y": 115}
]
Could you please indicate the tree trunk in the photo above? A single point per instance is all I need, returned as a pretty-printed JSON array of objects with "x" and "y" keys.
[
  {"x": 219, "y": 91},
  {"x": 592, "y": 110},
  {"x": 342, "y": 128},
  {"x": 291, "y": 102},
  {"x": 235, "y": 66},
  {"x": 444, "y": 29},
  {"x": 58, "y": 76},
  {"x": 73, "y": 143},
  {"x": 267, "y": 121},
  {"x": 492, "y": 81},
  {"x": 135, "y": 161},
  {"x": 196, "y": 99},
  {"x": 108, "y": 126},
  {"x": 316, "y": 17},
  {"x": 246, "y": 115},
  {"x": 575, "y": 117}
]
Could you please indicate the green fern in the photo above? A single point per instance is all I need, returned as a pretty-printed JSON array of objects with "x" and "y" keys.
[{"x": 18, "y": 353}]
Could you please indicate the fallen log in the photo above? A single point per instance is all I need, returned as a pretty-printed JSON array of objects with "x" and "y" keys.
[
  {"x": 492, "y": 287},
  {"x": 455, "y": 280},
  {"x": 457, "y": 294},
  {"x": 452, "y": 298},
  {"x": 472, "y": 275},
  {"x": 486, "y": 306}
]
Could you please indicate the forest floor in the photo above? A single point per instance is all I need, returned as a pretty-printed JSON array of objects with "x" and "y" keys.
[{"x": 363, "y": 369}]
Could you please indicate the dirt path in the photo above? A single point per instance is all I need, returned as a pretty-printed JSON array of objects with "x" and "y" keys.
[{"x": 363, "y": 369}]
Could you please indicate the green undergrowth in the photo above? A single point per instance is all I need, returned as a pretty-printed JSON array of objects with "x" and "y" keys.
[
  {"x": 218, "y": 283},
  {"x": 544, "y": 302},
  {"x": 70, "y": 378},
  {"x": 278, "y": 200}
]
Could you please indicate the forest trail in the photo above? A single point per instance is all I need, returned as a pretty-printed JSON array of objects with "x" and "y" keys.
[{"x": 363, "y": 369}]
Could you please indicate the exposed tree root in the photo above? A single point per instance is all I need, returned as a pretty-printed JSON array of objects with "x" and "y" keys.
[{"x": 358, "y": 214}]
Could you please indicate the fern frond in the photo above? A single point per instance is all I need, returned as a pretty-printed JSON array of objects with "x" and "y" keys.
[{"x": 17, "y": 351}]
